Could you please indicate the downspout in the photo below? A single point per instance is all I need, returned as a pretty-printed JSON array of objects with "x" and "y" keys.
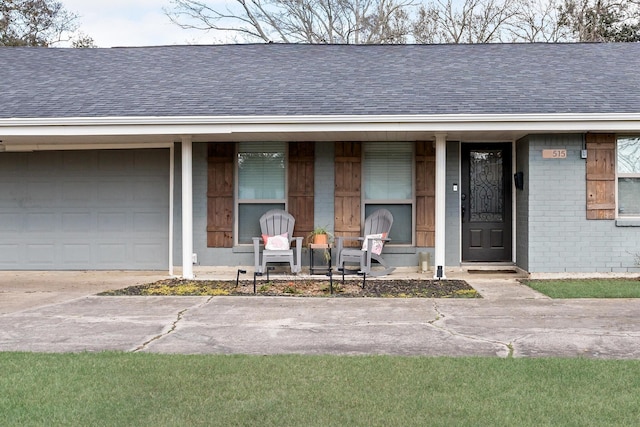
[
  {"x": 187, "y": 207},
  {"x": 441, "y": 192}
]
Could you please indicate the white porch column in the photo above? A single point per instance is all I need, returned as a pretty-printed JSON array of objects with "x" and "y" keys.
[
  {"x": 187, "y": 207},
  {"x": 441, "y": 192},
  {"x": 172, "y": 183}
]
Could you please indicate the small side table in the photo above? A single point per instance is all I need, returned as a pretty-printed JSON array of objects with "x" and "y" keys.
[{"x": 324, "y": 268}]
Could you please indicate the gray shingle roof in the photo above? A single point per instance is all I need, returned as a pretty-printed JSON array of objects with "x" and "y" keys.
[{"x": 277, "y": 79}]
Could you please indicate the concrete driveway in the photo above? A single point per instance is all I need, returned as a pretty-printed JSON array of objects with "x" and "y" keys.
[{"x": 59, "y": 312}]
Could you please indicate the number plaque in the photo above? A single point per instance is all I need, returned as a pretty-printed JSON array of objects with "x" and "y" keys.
[{"x": 554, "y": 154}]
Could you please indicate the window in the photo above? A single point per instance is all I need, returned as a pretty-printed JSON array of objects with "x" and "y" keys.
[
  {"x": 261, "y": 185},
  {"x": 388, "y": 183},
  {"x": 628, "y": 165}
]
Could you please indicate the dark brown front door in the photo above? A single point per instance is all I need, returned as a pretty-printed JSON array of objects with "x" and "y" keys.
[{"x": 486, "y": 202}]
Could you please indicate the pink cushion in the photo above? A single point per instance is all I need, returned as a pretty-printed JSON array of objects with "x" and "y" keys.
[
  {"x": 376, "y": 242},
  {"x": 277, "y": 243}
]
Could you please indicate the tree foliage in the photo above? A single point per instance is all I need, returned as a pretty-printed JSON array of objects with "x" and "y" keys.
[
  {"x": 35, "y": 23},
  {"x": 300, "y": 21},
  {"x": 538, "y": 21},
  {"x": 83, "y": 41},
  {"x": 601, "y": 20},
  {"x": 472, "y": 21},
  {"x": 401, "y": 21}
]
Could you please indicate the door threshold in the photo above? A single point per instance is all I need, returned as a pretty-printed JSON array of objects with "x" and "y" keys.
[
  {"x": 508, "y": 268},
  {"x": 487, "y": 264}
]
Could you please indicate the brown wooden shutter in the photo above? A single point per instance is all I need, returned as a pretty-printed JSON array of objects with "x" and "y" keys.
[
  {"x": 601, "y": 176},
  {"x": 221, "y": 162},
  {"x": 425, "y": 194},
  {"x": 348, "y": 173},
  {"x": 301, "y": 187}
]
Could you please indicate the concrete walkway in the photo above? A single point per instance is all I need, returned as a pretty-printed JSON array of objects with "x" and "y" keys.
[{"x": 59, "y": 312}]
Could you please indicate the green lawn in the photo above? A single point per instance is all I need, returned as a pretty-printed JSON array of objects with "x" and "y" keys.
[
  {"x": 587, "y": 288},
  {"x": 123, "y": 389}
]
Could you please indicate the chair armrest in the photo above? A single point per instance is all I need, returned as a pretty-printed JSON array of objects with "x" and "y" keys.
[
  {"x": 298, "y": 258},
  {"x": 256, "y": 253},
  {"x": 340, "y": 242},
  {"x": 297, "y": 241}
]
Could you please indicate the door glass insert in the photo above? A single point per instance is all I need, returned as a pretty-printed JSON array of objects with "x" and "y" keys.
[{"x": 486, "y": 201}]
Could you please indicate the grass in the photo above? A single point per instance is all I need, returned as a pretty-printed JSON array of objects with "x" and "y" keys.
[
  {"x": 587, "y": 288},
  {"x": 107, "y": 389}
]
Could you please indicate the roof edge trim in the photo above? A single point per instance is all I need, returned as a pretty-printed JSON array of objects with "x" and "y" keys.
[{"x": 324, "y": 119}]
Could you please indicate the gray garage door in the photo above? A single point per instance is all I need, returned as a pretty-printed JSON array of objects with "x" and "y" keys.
[{"x": 73, "y": 210}]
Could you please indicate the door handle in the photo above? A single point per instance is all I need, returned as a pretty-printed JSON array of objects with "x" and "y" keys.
[{"x": 462, "y": 211}]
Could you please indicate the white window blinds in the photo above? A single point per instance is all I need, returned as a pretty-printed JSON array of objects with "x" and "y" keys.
[
  {"x": 261, "y": 171},
  {"x": 388, "y": 171}
]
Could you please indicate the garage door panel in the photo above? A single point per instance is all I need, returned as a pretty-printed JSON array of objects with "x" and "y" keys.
[
  {"x": 145, "y": 163},
  {"x": 111, "y": 254},
  {"x": 12, "y": 193},
  {"x": 78, "y": 193},
  {"x": 84, "y": 210},
  {"x": 115, "y": 192},
  {"x": 79, "y": 162},
  {"x": 10, "y": 255},
  {"x": 76, "y": 254},
  {"x": 43, "y": 163},
  {"x": 41, "y": 222},
  {"x": 145, "y": 253},
  {"x": 149, "y": 191},
  {"x": 12, "y": 163},
  {"x": 42, "y": 194},
  {"x": 115, "y": 161},
  {"x": 148, "y": 222},
  {"x": 41, "y": 254},
  {"x": 11, "y": 222},
  {"x": 77, "y": 222},
  {"x": 113, "y": 222}
]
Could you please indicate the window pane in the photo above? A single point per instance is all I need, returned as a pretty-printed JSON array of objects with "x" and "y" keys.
[
  {"x": 261, "y": 171},
  {"x": 629, "y": 155},
  {"x": 629, "y": 196},
  {"x": 249, "y": 220},
  {"x": 388, "y": 171},
  {"x": 401, "y": 228}
]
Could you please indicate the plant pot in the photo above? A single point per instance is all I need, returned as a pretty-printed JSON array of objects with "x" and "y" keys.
[{"x": 320, "y": 239}]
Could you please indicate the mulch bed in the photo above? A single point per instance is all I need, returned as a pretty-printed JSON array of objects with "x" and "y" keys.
[{"x": 306, "y": 287}]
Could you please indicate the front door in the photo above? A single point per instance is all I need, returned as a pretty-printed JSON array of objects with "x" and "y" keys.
[{"x": 486, "y": 202}]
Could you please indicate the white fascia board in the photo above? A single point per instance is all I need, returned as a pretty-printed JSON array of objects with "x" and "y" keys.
[
  {"x": 115, "y": 126},
  {"x": 62, "y": 147}
]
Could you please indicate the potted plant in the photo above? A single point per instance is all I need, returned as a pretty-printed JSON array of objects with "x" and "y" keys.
[{"x": 320, "y": 236}]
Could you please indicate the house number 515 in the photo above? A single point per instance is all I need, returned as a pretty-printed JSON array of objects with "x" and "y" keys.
[{"x": 554, "y": 154}]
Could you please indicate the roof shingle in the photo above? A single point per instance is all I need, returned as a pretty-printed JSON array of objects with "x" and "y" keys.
[{"x": 279, "y": 79}]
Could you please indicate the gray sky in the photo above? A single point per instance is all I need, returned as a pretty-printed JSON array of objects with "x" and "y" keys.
[{"x": 133, "y": 23}]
